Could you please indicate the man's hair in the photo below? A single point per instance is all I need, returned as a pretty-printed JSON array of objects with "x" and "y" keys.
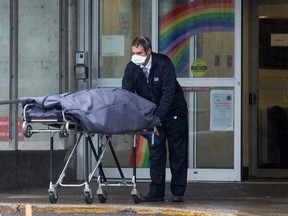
[{"x": 143, "y": 41}]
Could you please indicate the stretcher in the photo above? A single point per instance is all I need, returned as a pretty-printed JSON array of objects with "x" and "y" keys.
[{"x": 52, "y": 115}]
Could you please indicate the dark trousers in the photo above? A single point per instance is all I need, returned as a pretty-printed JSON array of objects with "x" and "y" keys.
[{"x": 175, "y": 132}]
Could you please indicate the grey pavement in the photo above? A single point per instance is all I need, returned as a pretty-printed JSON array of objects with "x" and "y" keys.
[{"x": 201, "y": 199}]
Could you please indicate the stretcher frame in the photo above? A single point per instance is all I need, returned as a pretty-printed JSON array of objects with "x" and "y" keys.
[{"x": 64, "y": 127}]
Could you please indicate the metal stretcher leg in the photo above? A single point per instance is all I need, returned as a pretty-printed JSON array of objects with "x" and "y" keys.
[
  {"x": 116, "y": 161},
  {"x": 53, "y": 196},
  {"x": 97, "y": 158},
  {"x": 102, "y": 195},
  {"x": 87, "y": 191},
  {"x": 134, "y": 193},
  {"x": 51, "y": 158},
  {"x": 101, "y": 182}
]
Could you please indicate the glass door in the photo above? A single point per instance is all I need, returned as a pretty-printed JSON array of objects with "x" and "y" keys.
[
  {"x": 203, "y": 39},
  {"x": 116, "y": 23},
  {"x": 270, "y": 84}
]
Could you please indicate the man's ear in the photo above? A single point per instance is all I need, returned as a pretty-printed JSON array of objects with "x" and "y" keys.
[{"x": 149, "y": 51}]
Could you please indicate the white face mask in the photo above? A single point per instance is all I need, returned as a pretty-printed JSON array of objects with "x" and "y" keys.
[{"x": 138, "y": 59}]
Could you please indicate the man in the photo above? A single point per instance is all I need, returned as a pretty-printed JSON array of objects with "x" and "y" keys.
[{"x": 153, "y": 77}]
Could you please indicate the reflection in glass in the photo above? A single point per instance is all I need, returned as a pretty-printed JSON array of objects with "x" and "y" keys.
[
  {"x": 4, "y": 55},
  {"x": 210, "y": 147},
  {"x": 126, "y": 20},
  {"x": 273, "y": 127},
  {"x": 38, "y": 65}
]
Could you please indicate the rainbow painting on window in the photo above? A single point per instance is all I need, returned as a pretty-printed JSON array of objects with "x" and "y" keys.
[
  {"x": 142, "y": 152},
  {"x": 187, "y": 20}
]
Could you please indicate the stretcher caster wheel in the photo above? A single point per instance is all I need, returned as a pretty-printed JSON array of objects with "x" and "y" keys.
[
  {"x": 63, "y": 132},
  {"x": 136, "y": 199},
  {"x": 136, "y": 196},
  {"x": 102, "y": 197},
  {"x": 27, "y": 130},
  {"x": 53, "y": 197},
  {"x": 89, "y": 198}
]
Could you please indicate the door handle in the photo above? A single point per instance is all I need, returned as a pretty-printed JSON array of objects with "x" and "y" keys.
[{"x": 252, "y": 98}]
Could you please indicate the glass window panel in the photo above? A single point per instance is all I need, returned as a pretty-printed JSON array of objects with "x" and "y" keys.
[
  {"x": 4, "y": 128},
  {"x": 217, "y": 143},
  {"x": 273, "y": 119},
  {"x": 4, "y": 55},
  {"x": 38, "y": 47},
  {"x": 211, "y": 132},
  {"x": 192, "y": 30},
  {"x": 38, "y": 65},
  {"x": 127, "y": 20},
  {"x": 122, "y": 144},
  {"x": 4, "y": 72}
]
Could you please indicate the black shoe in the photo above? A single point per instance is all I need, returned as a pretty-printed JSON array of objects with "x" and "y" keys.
[
  {"x": 177, "y": 199},
  {"x": 150, "y": 198}
]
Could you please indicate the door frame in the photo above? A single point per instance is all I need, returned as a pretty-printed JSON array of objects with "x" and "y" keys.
[
  {"x": 254, "y": 87},
  {"x": 233, "y": 174}
]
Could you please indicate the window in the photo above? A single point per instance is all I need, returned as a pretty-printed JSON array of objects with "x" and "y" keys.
[
  {"x": 198, "y": 30},
  {"x": 126, "y": 20}
]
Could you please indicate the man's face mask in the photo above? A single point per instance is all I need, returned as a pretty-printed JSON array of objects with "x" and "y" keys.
[{"x": 138, "y": 59}]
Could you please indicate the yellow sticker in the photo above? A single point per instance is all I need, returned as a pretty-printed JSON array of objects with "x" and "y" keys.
[{"x": 199, "y": 68}]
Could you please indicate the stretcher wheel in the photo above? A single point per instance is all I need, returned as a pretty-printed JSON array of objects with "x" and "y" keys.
[
  {"x": 88, "y": 198},
  {"x": 53, "y": 197},
  {"x": 27, "y": 130},
  {"x": 136, "y": 196},
  {"x": 102, "y": 197},
  {"x": 136, "y": 199},
  {"x": 63, "y": 131}
]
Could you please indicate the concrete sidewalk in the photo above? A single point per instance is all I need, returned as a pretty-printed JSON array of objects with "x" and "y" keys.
[{"x": 225, "y": 198}]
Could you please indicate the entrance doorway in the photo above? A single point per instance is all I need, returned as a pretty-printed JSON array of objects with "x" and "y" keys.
[
  {"x": 270, "y": 84},
  {"x": 208, "y": 64}
]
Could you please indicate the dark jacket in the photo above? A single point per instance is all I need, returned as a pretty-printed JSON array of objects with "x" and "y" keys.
[{"x": 162, "y": 88}]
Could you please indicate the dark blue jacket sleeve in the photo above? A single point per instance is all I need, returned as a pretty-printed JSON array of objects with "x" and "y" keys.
[
  {"x": 168, "y": 89},
  {"x": 128, "y": 81}
]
